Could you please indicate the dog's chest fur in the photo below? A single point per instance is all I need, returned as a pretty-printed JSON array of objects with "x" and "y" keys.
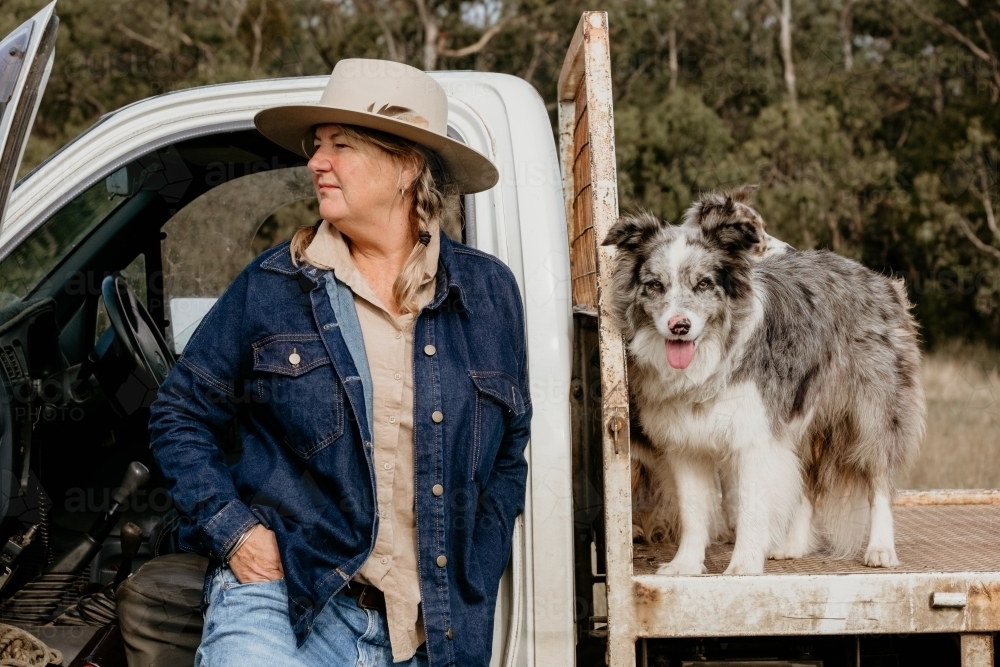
[{"x": 716, "y": 426}]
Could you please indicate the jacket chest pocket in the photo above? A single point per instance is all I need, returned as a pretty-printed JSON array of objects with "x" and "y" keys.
[
  {"x": 497, "y": 398},
  {"x": 296, "y": 384}
]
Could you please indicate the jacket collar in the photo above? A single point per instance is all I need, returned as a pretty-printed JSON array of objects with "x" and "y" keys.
[{"x": 449, "y": 275}]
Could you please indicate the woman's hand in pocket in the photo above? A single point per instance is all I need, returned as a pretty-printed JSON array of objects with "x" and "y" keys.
[{"x": 257, "y": 559}]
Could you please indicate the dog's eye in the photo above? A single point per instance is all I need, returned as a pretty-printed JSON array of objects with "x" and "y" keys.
[
  {"x": 705, "y": 283},
  {"x": 654, "y": 286}
]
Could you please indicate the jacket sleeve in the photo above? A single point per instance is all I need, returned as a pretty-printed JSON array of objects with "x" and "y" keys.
[
  {"x": 193, "y": 410},
  {"x": 502, "y": 497}
]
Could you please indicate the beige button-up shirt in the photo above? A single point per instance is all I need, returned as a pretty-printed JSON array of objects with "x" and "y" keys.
[{"x": 392, "y": 565}]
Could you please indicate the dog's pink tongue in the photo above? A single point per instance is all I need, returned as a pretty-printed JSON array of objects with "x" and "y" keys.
[{"x": 680, "y": 353}]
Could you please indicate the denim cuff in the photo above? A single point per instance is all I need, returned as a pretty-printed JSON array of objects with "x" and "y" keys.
[{"x": 224, "y": 529}]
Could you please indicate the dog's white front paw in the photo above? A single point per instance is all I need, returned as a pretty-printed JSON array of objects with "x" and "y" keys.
[
  {"x": 744, "y": 567},
  {"x": 793, "y": 548},
  {"x": 877, "y": 556},
  {"x": 787, "y": 552},
  {"x": 677, "y": 567}
]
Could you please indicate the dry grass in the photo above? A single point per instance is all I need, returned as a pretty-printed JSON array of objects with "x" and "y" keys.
[{"x": 962, "y": 447}]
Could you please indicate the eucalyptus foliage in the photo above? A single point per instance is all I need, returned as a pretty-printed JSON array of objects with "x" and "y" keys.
[{"x": 872, "y": 132}]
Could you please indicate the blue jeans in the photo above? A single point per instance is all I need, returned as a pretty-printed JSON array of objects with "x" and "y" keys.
[{"x": 247, "y": 624}]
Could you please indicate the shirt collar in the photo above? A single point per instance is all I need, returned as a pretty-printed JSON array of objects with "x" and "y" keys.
[
  {"x": 449, "y": 276},
  {"x": 329, "y": 251}
]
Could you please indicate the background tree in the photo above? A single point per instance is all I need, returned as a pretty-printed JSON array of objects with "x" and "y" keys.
[{"x": 870, "y": 125}]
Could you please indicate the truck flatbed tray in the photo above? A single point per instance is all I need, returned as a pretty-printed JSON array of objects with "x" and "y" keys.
[
  {"x": 929, "y": 538},
  {"x": 948, "y": 580}
]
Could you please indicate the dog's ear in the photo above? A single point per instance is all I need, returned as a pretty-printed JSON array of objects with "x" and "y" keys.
[
  {"x": 632, "y": 231},
  {"x": 721, "y": 227},
  {"x": 744, "y": 194}
]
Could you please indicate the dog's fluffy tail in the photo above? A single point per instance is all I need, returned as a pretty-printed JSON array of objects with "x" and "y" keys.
[{"x": 843, "y": 515}]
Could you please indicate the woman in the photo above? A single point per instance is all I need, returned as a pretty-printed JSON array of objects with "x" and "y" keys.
[{"x": 377, "y": 374}]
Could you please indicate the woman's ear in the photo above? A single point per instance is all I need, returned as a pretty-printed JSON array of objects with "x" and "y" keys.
[{"x": 408, "y": 175}]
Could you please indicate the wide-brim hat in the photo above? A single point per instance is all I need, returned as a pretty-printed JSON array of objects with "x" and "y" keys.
[{"x": 386, "y": 96}]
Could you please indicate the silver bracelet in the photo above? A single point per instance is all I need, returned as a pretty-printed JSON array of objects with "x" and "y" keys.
[{"x": 239, "y": 543}]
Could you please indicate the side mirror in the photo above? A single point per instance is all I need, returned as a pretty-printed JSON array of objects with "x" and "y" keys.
[{"x": 129, "y": 179}]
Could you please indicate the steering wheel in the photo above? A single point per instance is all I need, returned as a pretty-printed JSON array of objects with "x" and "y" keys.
[{"x": 134, "y": 327}]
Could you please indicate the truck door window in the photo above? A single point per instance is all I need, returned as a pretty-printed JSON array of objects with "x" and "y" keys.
[
  {"x": 33, "y": 259},
  {"x": 208, "y": 242}
]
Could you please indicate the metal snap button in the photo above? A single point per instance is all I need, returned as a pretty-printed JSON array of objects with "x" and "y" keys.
[
  {"x": 437, "y": 490},
  {"x": 294, "y": 358},
  {"x": 437, "y": 416},
  {"x": 449, "y": 633},
  {"x": 429, "y": 350},
  {"x": 441, "y": 561}
]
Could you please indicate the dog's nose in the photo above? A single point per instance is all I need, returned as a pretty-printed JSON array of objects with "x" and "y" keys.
[{"x": 679, "y": 325}]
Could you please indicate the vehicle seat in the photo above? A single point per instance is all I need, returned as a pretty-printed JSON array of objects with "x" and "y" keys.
[{"x": 159, "y": 610}]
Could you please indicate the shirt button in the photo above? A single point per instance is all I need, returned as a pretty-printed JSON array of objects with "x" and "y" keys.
[
  {"x": 429, "y": 350},
  {"x": 399, "y": 335},
  {"x": 387, "y": 466},
  {"x": 441, "y": 561},
  {"x": 397, "y": 376},
  {"x": 384, "y": 514},
  {"x": 437, "y": 416},
  {"x": 437, "y": 489},
  {"x": 384, "y": 560},
  {"x": 392, "y": 420}
]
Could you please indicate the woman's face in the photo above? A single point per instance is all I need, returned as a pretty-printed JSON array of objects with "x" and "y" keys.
[{"x": 355, "y": 183}]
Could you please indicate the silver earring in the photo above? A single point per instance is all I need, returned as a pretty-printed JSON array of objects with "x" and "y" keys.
[{"x": 402, "y": 193}]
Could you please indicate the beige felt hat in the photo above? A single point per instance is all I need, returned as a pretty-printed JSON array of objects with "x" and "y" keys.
[{"x": 387, "y": 96}]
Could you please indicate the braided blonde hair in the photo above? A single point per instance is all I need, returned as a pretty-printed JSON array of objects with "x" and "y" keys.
[{"x": 426, "y": 204}]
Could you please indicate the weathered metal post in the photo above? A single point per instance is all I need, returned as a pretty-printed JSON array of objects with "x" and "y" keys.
[{"x": 587, "y": 145}]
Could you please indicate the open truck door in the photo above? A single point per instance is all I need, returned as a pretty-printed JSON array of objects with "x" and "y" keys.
[
  {"x": 26, "y": 57},
  {"x": 590, "y": 188}
]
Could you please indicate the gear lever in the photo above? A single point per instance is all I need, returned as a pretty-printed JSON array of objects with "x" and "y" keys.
[
  {"x": 76, "y": 559},
  {"x": 131, "y": 537}
]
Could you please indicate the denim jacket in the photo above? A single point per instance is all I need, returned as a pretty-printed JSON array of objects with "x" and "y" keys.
[{"x": 270, "y": 355}]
